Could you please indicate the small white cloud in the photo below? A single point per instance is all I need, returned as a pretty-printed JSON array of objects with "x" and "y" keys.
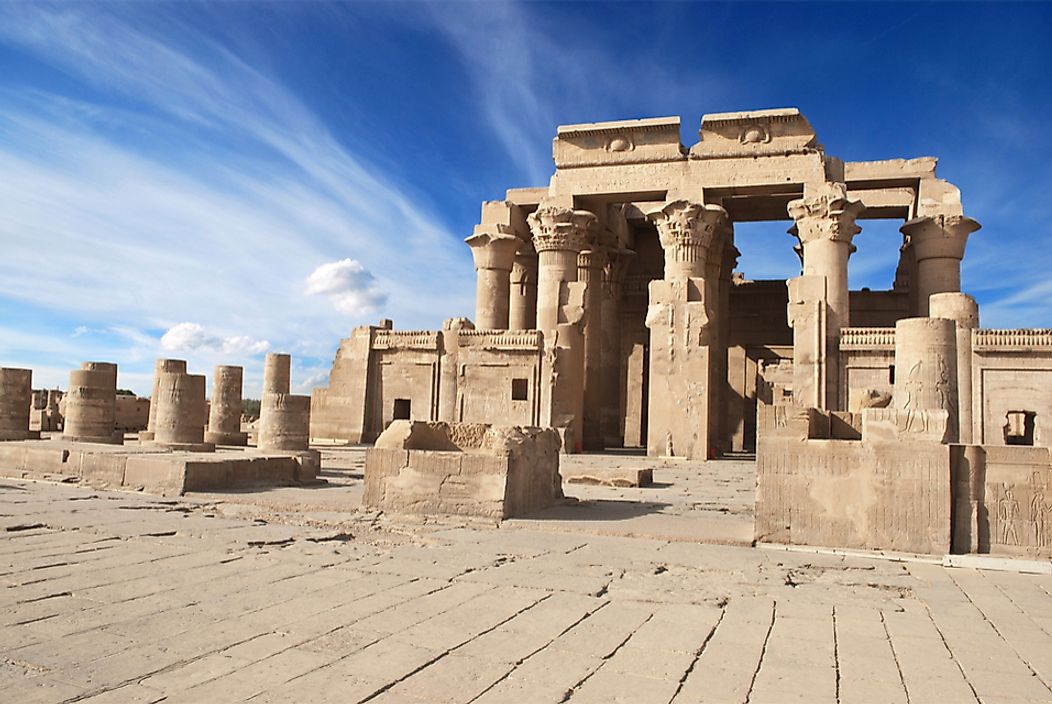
[
  {"x": 191, "y": 337},
  {"x": 348, "y": 285}
]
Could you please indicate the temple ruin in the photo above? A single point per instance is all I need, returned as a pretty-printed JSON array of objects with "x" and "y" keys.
[{"x": 608, "y": 307}]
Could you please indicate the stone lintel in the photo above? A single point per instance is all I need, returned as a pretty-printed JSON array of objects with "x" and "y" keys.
[
  {"x": 754, "y": 132},
  {"x": 622, "y": 142}
]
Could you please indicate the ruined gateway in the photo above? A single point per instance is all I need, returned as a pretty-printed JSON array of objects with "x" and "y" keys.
[{"x": 608, "y": 308}]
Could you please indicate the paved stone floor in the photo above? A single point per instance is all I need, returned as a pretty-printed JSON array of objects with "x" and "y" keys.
[{"x": 293, "y": 595}]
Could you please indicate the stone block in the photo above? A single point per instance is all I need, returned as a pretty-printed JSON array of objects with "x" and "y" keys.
[{"x": 477, "y": 470}]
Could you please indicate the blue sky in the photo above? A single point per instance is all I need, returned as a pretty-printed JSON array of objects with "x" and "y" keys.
[{"x": 212, "y": 181}]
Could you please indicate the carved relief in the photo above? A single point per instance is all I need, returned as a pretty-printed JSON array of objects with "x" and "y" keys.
[{"x": 754, "y": 134}]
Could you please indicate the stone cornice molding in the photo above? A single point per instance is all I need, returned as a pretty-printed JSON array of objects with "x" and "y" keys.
[
  {"x": 939, "y": 236},
  {"x": 687, "y": 229},
  {"x": 557, "y": 228},
  {"x": 827, "y": 214}
]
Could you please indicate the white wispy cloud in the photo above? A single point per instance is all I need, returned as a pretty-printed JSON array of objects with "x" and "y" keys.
[{"x": 190, "y": 186}]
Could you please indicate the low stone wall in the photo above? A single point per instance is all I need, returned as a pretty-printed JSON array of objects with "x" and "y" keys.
[
  {"x": 463, "y": 469},
  {"x": 154, "y": 470},
  {"x": 888, "y": 491}
]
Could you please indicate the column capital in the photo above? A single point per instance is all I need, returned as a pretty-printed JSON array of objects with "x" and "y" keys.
[
  {"x": 939, "y": 236},
  {"x": 826, "y": 214},
  {"x": 493, "y": 249},
  {"x": 558, "y": 228},
  {"x": 687, "y": 230}
]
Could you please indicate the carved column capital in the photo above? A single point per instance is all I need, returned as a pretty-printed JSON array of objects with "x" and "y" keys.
[
  {"x": 687, "y": 230},
  {"x": 827, "y": 214},
  {"x": 557, "y": 228},
  {"x": 939, "y": 236},
  {"x": 492, "y": 248},
  {"x": 590, "y": 263}
]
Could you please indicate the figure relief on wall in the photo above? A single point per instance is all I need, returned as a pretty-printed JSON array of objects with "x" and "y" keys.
[
  {"x": 916, "y": 420},
  {"x": 1007, "y": 515},
  {"x": 1040, "y": 525}
]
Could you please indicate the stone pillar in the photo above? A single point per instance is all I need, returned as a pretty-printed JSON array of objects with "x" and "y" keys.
[
  {"x": 682, "y": 333},
  {"x": 284, "y": 422},
  {"x": 610, "y": 356},
  {"x": 926, "y": 372},
  {"x": 938, "y": 244},
  {"x": 161, "y": 366},
  {"x": 590, "y": 264},
  {"x": 964, "y": 312},
  {"x": 16, "y": 398},
  {"x": 522, "y": 314},
  {"x": 825, "y": 226},
  {"x": 224, "y": 415},
  {"x": 181, "y": 416},
  {"x": 729, "y": 259},
  {"x": 91, "y": 404},
  {"x": 277, "y": 370},
  {"x": 494, "y": 254},
  {"x": 559, "y": 233}
]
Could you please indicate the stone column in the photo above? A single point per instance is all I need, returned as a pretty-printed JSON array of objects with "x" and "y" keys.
[
  {"x": 180, "y": 419},
  {"x": 614, "y": 271},
  {"x": 926, "y": 373},
  {"x": 729, "y": 259},
  {"x": 559, "y": 233},
  {"x": 522, "y": 313},
  {"x": 682, "y": 333},
  {"x": 590, "y": 264},
  {"x": 277, "y": 371},
  {"x": 825, "y": 226},
  {"x": 964, "y": 312},
  {"x": 938, "y": 244},
  {"x": 16, "y": 398},
  {"x": 224, "y": 415},
  {"x": 91, "y": 404},
  {"x": 284, "y": 422},
  {"x": 494, "y": 254},
  {"x": 159, "y": 367}
]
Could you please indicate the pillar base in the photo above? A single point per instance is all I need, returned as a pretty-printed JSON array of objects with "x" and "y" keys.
[{"x": 217, "y": 438}]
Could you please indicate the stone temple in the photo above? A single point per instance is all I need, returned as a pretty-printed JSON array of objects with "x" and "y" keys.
[
  {"x": 608, "y": 307},
  {"x": 407, "y": 534}
]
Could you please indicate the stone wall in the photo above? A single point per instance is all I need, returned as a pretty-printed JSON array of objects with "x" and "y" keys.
[
  {"x": 889, "y": 490},
  {"x": 1002, "y": 500}
]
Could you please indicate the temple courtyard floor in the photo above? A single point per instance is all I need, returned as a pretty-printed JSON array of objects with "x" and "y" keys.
[{"x": 628, "y": 595}]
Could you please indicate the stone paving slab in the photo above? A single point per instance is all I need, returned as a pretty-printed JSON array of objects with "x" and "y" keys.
[{"x": 293, "y": 595}]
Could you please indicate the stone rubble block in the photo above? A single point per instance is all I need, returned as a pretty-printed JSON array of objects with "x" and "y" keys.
[{"x": 467, "y": 469}]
